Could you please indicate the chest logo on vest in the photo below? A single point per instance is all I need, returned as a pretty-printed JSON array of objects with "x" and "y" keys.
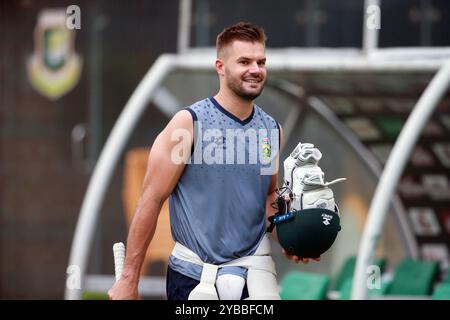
[
  {"x": 213, "y": 146},
  {"x": 265, "y": 150}
]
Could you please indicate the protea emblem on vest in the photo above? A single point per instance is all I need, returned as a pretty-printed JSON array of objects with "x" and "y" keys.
[
  {"x": 265, "y": 150},
  {"x": 54, "y": 68}
]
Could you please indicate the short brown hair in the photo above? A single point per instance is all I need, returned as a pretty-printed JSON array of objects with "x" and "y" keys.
[{"x": 244, "y": 31}]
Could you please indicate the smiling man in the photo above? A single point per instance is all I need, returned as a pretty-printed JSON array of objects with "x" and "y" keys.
[{"x": 218, "y": 206}]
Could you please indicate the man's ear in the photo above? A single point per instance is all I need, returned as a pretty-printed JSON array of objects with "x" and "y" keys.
[{"x": 219, "y": 67}]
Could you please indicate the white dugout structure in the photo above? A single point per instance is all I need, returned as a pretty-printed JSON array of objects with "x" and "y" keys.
[{"x": 284, "y": 64}]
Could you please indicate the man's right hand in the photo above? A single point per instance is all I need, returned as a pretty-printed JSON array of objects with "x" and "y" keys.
[{"x": 123, "y": 290}]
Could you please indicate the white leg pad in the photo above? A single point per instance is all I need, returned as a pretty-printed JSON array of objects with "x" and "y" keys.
[
  {"x": 262, "y": 285},
  {"x": 230, "y": 286},
  {"x": 206, "y": 290}
]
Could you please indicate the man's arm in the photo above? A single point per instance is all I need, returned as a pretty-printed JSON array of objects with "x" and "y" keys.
[
  {"x": 273, "y": 187},
  {"x": 166, "y": 162}
]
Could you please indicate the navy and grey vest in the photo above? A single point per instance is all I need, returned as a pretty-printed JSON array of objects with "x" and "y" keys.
[{"x": 217, "y": 209}]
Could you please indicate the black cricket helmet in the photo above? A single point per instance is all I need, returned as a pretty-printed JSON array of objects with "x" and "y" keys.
[{"x": 307, "y": 233}]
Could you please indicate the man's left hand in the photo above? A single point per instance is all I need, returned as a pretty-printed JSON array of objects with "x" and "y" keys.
[{"x": 298, "y": 259}]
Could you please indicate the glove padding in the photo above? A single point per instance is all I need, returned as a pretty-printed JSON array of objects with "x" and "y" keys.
[
  {"x": 308, "y": 225},
  {"x": 306, "y": 180}
]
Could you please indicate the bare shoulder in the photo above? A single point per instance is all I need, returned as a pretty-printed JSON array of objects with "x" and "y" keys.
[
  {"x": 281, "y": 135},
  {"x": 182, "y": 119},
  {"x": 169, "y": 154},
  {"x": 178, "y": 133}
]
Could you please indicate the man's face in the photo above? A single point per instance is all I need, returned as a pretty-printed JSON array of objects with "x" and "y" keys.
[{"x": 243, "y": 67}]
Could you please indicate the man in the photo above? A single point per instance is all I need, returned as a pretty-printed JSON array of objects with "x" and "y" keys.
[{"x": 219, "y": 196}]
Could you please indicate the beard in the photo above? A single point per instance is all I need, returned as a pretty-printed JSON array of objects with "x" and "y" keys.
[{"x": 237, "y": 86}]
